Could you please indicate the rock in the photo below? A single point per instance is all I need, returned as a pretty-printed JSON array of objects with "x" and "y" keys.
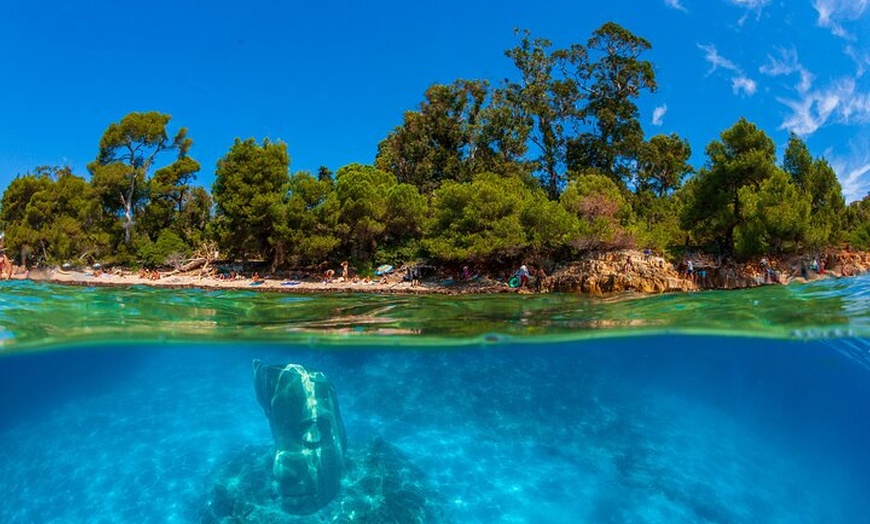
[
  {"x": 381, "y": 485},
  {"x": 310, "y": 440}
]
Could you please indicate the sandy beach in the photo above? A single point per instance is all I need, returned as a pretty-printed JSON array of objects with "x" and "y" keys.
[
  {"x": 393, "y": 283},
  {"x": 601, "y": 273}
]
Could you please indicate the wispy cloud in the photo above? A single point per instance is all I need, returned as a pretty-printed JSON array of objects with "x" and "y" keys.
[
  {"x": 745, "y": 84},
  {"x": 853, "y": 170},
  {"x": 786, "y": 64},
  {"x": 862, "y": 60},
  {"x": 676, "y": 4},
  {"x": 832, "y": 14},
  {"x": 711, "y": 54},
  {"x": 659, "y": 114},
  {"x": 751, "y": 6},
  {"x": 740, "y": 82},
  {"x": 841, "y": 102}
]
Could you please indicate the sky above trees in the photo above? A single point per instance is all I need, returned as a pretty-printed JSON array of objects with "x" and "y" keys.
[{"x": 333, "y": 79}]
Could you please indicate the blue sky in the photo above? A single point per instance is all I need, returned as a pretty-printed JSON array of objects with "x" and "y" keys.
[{"x": 331, "y": 79}]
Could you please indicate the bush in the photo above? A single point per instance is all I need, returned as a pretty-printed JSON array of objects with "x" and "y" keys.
[{"x": 168, "y": 245}]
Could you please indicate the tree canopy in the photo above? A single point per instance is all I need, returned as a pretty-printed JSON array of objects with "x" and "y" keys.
[
  {"x": 127, "y": 154},
  {"x": 542, "y": 165}
]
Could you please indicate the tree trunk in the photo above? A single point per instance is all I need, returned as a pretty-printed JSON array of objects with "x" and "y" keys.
[{"x": 128, "y": 208}]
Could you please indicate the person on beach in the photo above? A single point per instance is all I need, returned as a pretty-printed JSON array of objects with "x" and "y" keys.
[
  {"x": 328, "y": 275},
  {"x": 540, "y": 275},
  {"x": 523, "y": 274},
  {"x": 344, "y": 273},
  {"x": 5, "y": 266}
]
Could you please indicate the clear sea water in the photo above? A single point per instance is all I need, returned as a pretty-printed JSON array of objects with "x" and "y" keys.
[{"x": 121, "y": 405}]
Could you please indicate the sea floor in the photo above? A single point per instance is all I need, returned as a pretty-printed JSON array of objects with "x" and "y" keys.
[{"x": 639, "y": 430}]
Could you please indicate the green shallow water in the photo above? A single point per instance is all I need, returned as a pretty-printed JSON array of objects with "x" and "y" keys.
[{"x": 38, "y": 315}]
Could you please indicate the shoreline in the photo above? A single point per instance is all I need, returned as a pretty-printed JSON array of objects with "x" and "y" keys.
[{"x": 597, "y": 274}]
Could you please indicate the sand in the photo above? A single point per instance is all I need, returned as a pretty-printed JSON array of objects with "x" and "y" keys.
[{"x": 394, "y": 283}]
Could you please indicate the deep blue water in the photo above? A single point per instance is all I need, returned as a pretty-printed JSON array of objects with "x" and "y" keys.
[{"x": 643, "y": 429}]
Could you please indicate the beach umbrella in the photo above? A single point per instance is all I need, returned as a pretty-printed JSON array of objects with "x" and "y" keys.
[{"x": 383, "y": 269}]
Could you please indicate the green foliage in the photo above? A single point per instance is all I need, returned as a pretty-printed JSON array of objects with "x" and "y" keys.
[
  {"x": 601, "y": 209},
  {"x": 612, "y": 82},
  {"x": 311, "y": 219},
  {"x": 128, "y": 152},
  {"x": 546, "y": 100},
  {"x": 454, "y": 181},
  {"x": 548, "y": 225},
  {"x": 817, "y": 180},
  {"x": 662, "y": 163},
  {"x": 657, "y": 220},
  {"x": 777, "y": 215},
  {"x": 362, "y": 193},
  {"x": 406, "y": 212},
  {"x": 439, "y": 141},
  {"x": 249, "y": 191},
  {"x": 744, "y": 158},
  {"x": 493, "y": 217},
  {"x": 168, "y": 250},
  {"x": 857, "y": 220},
  {"x": 170, "y": 194},
  {"x": 54, "y": 215}
]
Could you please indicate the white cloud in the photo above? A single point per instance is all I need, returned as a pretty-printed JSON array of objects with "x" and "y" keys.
[
  {"x": 711, "y": 54},
  {"x": 862, "y": 60},
  {"x": 751, "y": 6},
  {"x": 840, "y": 101},
  {"x": 832, "y": 13},
  {"x": 853, "y": 170},
  {"x": 742, "y": 83},
  {"x": 788, "y": 64},
  {"x": 739, "y": 80},
  {"x": 659, "y": 114},
  {"x": 676, "y": 4}
]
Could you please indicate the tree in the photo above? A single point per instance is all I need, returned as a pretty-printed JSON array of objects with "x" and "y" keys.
[
  {"x": 601, "y": 208},
  {"x": 251, "y": 182},
  {"x": 777, "y": 214},
  {"x": 547, "y": 100},
  {"x": 745, "y": 157},
  {"x": 857, "y": 220},
  {"x": 128, "y": 152},
  {"x": 312, "y": 218},
  {"x": 169, "y": 192},
  {"x": 817, "y": 179},
  {"x": 662, "y": 164},
  {"x": 362, "y": 192},
  {"x": 440, "y": 141},
  {"x": 54, "y": 214},
  {"x": 494, "y": 217},
  {"x": 611, "y": 84},
  {"x": 503, "y": 137}
]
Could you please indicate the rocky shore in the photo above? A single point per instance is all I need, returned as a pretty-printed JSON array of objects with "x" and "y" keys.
[{"x": 598, "y": 274}]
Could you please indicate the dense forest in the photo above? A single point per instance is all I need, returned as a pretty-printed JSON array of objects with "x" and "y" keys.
[{"x": 538, "y": 168}]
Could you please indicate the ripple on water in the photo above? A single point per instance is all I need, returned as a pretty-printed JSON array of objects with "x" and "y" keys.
[{"x": 35, "y": 314}]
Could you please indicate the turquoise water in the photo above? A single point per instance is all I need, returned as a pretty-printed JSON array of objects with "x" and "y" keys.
[{"x": 125, "y": 405}]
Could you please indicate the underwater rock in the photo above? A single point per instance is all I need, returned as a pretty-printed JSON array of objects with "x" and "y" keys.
[
  {"x": 309, "y": 476},
  {"x": 310, "y": 442},
  {"x": 381, "y": 485}
]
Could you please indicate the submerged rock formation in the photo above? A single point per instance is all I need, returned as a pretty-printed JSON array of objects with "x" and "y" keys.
[
  {"x": 310, "y": 441},
  {"x": 309, "y": 476}
]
